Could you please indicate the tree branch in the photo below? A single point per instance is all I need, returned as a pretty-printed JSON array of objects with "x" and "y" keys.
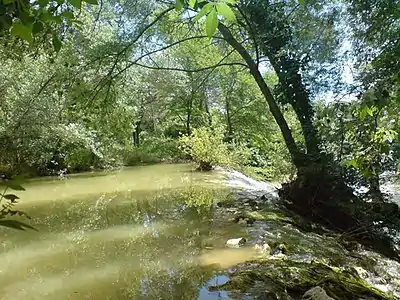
[
  {"x": 193, "y": 70},
  {"x": 252, "y": 33},
  {"x": 135, "y": 62}
]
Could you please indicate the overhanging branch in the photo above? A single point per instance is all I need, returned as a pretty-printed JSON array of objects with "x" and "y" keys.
[{"x": 192, "y": 70}]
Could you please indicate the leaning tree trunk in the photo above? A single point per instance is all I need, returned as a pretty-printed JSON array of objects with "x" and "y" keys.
[
  {"x": 295, "y": 93},
  {"x": 319, "y": 192},
  {"x": 296, "y": 155}
]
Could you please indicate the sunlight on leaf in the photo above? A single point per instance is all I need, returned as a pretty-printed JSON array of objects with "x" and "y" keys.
[
  {"x": 226, "y": 12},
  {"x": 205, "y": 10},
  {"x": 211, "y": 23}
]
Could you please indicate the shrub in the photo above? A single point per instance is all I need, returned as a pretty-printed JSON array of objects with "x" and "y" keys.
[
  {"x": 207, "y": 148},
  {"x": 153, "y": 150}
]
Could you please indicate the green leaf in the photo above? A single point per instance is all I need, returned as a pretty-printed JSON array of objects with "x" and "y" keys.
[
  {"x": 76, "y": 3},
  {"x": 206, "y": 9},
  {"x": 37, "y": 27},
  {"x": 57, "y": 19},
  {"x": 352, "y": 163},
  {"x": 93, "y": 2},
  {"x": 226, "y": 11},
  {"x": 16, "y": 225},
  {"x": 230, "y": 1},
  {"x": 192, "y": 3},
  {"x": 179, "y": 5},
  {"x": 57, "y": 43},
  {"x": 6, "y": 2},
  {"x": 22, "y": 31},
  {"x": 68, "y": 15},
  {"x": 14, "y": 186},
  {"x": 11, "y": 197},
  {"x": 301, "y": 2},
  {"x": 211, "y": 23},
  {"x": 26, "y": 18},
  {"x": 43, "y": 3}
]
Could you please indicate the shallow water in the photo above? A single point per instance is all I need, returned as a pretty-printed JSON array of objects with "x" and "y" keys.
[
  {"x": 138, "y": 233},
  {"x": 149, "y": 233}
]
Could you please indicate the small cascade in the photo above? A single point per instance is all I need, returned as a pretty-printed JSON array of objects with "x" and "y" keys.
[{"x": 236, "y": 179}]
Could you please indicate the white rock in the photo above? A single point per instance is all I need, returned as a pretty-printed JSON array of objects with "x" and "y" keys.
[
  {"x": 264, "y": 249},
  {"x": 235, "y": 243},
  {"x": 279, "y": 256},
  {"x": 316, "y": 293},
  {"x": 361, "y": 272}
]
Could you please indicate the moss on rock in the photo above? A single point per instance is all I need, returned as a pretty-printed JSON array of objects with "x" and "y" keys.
[{"x": 289, "y": 278}]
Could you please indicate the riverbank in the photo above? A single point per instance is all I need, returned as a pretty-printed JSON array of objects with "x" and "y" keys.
[{"x": 303, "y": 259}]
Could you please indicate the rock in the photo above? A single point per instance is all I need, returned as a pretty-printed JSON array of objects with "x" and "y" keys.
[
  {"x": 242, "y": 222},
  {"x": 242, "y": 219},
  {"x": 278, "y": 256},
  {"x": 236, "y": 243},
  {"x": 279, "y": 249},
  {"x": 361, "y": 272},
  {"x": 263, "y": 249},
  {"x": 316, "y": 293}
]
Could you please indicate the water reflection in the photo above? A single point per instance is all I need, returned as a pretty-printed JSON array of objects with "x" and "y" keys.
[{"x": 136, "y": 234}]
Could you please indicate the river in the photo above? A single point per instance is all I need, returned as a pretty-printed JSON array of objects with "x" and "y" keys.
[{"x": 137, "y": 233}]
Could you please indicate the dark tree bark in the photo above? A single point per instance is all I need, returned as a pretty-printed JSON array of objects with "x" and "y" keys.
[
  {"x": 296, "y": 94},
  {"x": 136, "y": 133},
  {"x": 228, "y": 120}
]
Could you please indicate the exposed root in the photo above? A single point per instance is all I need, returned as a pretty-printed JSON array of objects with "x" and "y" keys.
[{"x": 326, "y": 199}]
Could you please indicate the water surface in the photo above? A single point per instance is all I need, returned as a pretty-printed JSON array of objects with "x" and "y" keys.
[{"x": 138, "y": 233}]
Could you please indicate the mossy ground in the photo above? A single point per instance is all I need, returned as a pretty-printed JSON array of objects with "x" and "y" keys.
[
  {"x": 315, "y": 256},
  {"x": 287, "y": 279}
]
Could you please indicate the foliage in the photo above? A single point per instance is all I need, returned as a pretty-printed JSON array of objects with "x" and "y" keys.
[
  {"x": 362, "y": 135},
  {"x": 40, "y": 21},
  {"x": 206, "y": 146},
  {"x": 153, "y": 150},
  {"x": 7, "y": 202}
]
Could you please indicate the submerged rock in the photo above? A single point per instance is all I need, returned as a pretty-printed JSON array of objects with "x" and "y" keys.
[
  {"x": 316, "y": 293},
  {"x": 236, "y": 243}
]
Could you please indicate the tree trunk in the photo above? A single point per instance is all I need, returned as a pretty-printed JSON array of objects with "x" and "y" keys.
[
  {"x": 136, "y": 133},
  {"x": 296, "y": 155},
  {"x": 228, "y": 120},
  {"x": 295, "y": 93}
]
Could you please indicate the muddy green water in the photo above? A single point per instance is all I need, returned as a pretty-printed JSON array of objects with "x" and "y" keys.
[{"x": 138, "y": 233}]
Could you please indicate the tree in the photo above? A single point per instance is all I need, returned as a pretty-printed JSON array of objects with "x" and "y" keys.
[{"x": 273, "y": 35}]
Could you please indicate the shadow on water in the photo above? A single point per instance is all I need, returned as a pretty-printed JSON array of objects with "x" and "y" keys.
[{"x": 133, "y": 234}]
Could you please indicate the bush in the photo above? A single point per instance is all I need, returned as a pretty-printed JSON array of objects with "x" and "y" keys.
[
  {"x": 207, "y": 148},
  {"x": 153, "y": 150}
]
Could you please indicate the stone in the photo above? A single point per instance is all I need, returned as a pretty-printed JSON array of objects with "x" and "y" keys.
[
  {"x": 279, "y": 256},
  {"x": 236, "y": 243},
  {"x": 264, "y": 249},
  {"x": 316, "y": 293},
  {"x": 244, "y": 220}
]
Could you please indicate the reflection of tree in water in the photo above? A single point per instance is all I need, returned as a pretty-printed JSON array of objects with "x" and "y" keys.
[
  {"x": 173, "y": 283},
  {"x": 173, "y": 272}
]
